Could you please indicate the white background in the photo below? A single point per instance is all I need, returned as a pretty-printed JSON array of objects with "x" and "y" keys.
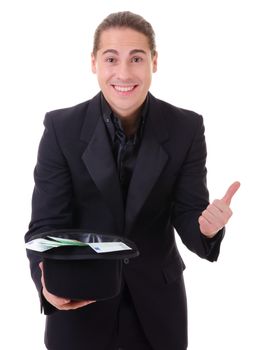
[{"x": 212, "y": 59}]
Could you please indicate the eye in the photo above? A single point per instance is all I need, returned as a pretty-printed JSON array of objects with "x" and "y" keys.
[
  {"x": 110, "y": 60},
  {"x": 136, "y": 59}
]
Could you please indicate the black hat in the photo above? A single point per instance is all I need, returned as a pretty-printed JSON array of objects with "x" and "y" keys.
[{"x": 80, "y": 272}]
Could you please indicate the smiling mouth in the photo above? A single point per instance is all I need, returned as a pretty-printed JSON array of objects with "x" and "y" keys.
[{"x": 125, "y": 89}]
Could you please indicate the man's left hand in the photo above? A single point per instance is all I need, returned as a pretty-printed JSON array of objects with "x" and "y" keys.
[{"x": 217, "y": 214}]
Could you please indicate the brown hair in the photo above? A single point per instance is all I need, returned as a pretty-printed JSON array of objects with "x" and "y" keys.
[{"x": 126, "y": 19}]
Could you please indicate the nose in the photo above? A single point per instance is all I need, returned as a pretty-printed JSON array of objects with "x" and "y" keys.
[{"x": 123, "y": 72}]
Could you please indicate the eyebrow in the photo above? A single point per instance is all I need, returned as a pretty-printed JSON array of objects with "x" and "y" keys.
[{"x": 132, "y": 52}]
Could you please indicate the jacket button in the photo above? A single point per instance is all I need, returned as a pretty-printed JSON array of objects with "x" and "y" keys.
[{"x": 126, "y": 261}]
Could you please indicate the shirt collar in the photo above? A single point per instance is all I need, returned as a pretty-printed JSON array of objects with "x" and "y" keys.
[{"x": 110, "y": 118}]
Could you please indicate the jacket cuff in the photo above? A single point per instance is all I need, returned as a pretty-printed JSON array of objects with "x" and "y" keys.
[
  {"x": 212, "y": 245},
  {"x": 45, "y": 306}
]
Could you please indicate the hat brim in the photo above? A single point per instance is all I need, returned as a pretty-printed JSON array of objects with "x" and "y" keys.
[{"x": 85, "y": 253}]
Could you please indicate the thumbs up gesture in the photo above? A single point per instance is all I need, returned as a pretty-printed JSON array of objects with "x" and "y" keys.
[{"x": 217, "y": 214}]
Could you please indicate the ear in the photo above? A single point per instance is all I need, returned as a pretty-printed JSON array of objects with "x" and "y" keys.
[
  {"x": 93, "y": 63},
  {"x": 155, "y": 62}
]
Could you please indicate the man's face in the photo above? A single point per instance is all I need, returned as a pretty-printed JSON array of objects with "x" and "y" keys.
[{"x": 124, "y": 66}]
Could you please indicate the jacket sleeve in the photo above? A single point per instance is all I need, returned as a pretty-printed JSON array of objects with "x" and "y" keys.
[
  {"x": 52, "y": 197},
  {"x": 191, "y": 197}
]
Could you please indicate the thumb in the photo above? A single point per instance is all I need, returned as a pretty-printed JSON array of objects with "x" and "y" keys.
[
  {"x": 230, "y": 192},
  {"x": 41, "y": 266},
  {"x": 42, "y": 273}
]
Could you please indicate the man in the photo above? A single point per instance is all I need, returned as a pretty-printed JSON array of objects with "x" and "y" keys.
[{"x": 128, "y": 163}]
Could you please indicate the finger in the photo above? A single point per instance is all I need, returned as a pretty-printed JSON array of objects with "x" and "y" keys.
[
  {"x": 76, "y": 304},
  {"x": 222, "y": 207},
  {"x": 55, "y": 300},
  {"x": 206, "y": 228},
  {"x": 42, "y": 274},
  {"x": 203, "y": 224},
  {"x": 230, "y": 192},
  {"x": 214, "y": 217},
  {"x": 41, "y": 266},
  {"x": 51, "y": 298}
]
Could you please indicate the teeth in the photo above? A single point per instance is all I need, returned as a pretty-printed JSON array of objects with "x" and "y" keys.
[{"x": 123, "y": 88}]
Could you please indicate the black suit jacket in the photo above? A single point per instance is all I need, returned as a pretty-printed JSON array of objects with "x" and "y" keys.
[{"x": 77, "y": 186}]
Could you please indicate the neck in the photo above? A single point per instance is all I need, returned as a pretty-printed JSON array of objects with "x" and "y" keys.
[{"x": 130, "y": 122}]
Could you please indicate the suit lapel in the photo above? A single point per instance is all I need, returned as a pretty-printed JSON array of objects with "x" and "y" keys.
[
  {"x": 100, "y": 163},
  {"x": 150, "y": 162}
]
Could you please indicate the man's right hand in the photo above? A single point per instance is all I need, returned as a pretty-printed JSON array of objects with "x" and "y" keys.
[{"x": 61, "y": 303}]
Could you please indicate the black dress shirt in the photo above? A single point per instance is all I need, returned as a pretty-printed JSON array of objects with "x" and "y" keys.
[
  {"x": 129, "y": 332},
  {"x": 125, "y": 149}
]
